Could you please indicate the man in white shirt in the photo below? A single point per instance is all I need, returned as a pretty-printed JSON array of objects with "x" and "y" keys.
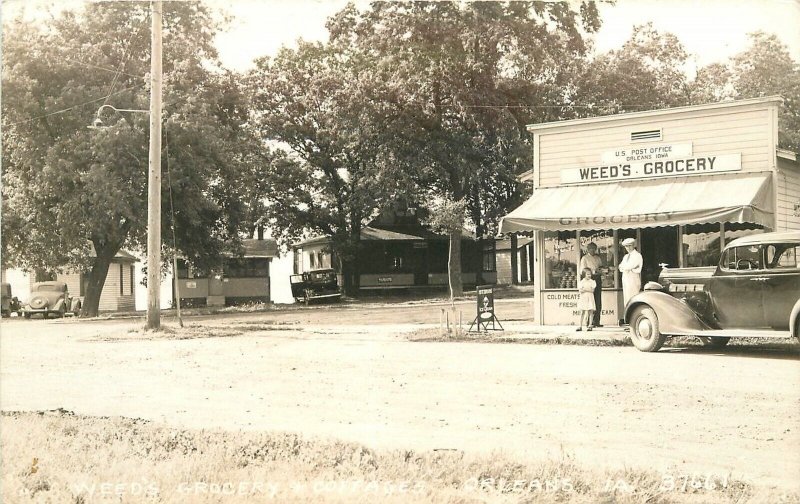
[
  {"x": 631, "y": 268},
  {"x": 593, "y": 261}
]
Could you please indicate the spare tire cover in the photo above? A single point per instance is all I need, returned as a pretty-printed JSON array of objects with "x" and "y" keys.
[{"x": 38, "y": 302}]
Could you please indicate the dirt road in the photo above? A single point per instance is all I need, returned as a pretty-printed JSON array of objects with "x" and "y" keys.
[{"x": 351, "y": 374}]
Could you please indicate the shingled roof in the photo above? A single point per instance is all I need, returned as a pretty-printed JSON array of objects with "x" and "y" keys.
[
  {"x": 260, "y": 248},
  {"x": 122, "y": 255}
]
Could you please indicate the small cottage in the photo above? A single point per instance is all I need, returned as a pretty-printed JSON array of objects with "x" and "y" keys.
[
  {"x": 118, "y": 290},
  {"x": 398, "y": 252},
  {"x": 240, "y": 279}
]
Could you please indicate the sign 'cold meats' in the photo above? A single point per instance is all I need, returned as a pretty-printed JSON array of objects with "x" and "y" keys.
[{"x": 699, "y": 165}]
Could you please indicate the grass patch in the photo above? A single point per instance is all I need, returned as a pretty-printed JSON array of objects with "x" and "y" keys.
[
  {"x": 437, "y": 335},
  {"x": 60, "y": 457},
  {"x": 599, "y": 339},
  {"x": 200, "y": 330}
]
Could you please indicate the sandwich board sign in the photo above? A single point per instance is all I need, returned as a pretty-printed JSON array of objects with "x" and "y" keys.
[{"x": 484, "y": 298}]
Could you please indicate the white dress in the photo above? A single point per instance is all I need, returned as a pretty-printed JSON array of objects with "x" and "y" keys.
[
  {"x": 586, "y": 299},
  {"x": 631, "y": 268}
]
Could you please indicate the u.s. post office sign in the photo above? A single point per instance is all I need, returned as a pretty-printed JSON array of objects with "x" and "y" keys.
[
  {"x": 653, "y": 152},
  {"x": 615, "y": 172}
]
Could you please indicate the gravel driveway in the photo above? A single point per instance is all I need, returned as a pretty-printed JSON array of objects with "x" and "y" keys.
[{"x": 351, "y": 374}]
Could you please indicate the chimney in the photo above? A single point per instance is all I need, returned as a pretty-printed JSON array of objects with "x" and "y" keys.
[{"x": 260, "y": 230}]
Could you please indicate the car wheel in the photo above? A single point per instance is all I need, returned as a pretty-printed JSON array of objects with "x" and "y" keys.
[
  {"x": 6, "y": 314},
  {"x": 26, "y": 315},
  {"x": 645, "y": 333},
  {"x": 714, "y": 341}
]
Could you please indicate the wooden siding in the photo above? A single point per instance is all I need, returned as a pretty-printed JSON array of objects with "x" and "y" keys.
[
  {"x": 110, "y": 299},
  {"x": 73, "y": 281},
  {"x": 503, "y": 264},
  {"x": 748, "y": 131},
  {"x": 787, "y": 196},
  {"x": 199, "y": 289},
  {"x": 523, "y": 265},
  {"x": 246, "y": 287},
  {"x": 126, "y": 303}
]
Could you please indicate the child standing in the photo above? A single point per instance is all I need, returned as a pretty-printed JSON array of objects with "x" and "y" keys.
[{"x": 586, "y": 302}]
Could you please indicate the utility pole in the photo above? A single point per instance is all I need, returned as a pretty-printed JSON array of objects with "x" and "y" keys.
[{"x": 154, "y": 175}]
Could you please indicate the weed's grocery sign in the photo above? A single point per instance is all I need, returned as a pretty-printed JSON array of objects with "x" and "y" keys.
[{"x": 651, "y": 167}]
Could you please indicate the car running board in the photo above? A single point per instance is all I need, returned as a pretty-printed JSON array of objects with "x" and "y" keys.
[{"x": 738, "y": 333}]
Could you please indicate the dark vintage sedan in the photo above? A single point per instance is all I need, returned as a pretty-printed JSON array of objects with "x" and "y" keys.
[
  {"x": 10, "y": 304},
  {"x": 51, "y": 298},
  {"x": 754, "y": 291},
  {"x": 316, "y": 284}
]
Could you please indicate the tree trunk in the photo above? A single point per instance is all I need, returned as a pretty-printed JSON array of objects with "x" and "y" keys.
[
  {"x": 349, "y": 264},
  {"x": 454, "y": 265},
  {"x": 481, "y": 243},
  {"x": 347, "y": 277},
  {"x": 94, "y": 287},
  {"x": 480, "y": 231}
]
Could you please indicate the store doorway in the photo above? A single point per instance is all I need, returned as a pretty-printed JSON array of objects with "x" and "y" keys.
[{"x": 658, "y": 246}]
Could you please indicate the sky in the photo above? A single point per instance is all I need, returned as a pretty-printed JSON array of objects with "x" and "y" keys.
[{"x": 711, "y": 30}]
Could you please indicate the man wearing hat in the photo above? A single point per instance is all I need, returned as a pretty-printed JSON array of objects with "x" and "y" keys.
[
  {"x": 592, "y": 261},
  {"x": 631, "y": 268}
]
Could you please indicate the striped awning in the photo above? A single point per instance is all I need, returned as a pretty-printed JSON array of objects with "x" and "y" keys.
[{"x": 743, "y": 198}]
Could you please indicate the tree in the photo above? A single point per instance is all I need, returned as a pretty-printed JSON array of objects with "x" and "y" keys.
[
  {"x": 461, "y": 81},
  {"x": 646, "y": 73},
  {"x": 447, "y": 217},
  {"x": 316, "y": 102},
  {"x": 765, "y": 68},
  {"x": 68, "y": 189}
]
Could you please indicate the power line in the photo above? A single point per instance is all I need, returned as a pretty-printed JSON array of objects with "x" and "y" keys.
[
  {"x": 557, "y": 106},
  {"x": 111, "y": 70},
  {"x": 75, "y": 106},
  {"x": 125, "y": 57}
]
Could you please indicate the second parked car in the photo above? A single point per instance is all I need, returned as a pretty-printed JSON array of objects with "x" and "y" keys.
[
  {"x": 51, "y": 298},
  {"x": 754, "y": 291}
]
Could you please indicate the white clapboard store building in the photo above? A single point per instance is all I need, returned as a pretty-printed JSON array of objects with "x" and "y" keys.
[{"x": 681, "y": 181}]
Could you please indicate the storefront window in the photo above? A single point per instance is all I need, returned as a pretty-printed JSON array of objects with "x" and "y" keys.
[
  {"x": 561, "y": 260},
  {"x": 736, "y": 230},
  {"x": 701, "y": 245},
  {"x": 605, "y": 249}
]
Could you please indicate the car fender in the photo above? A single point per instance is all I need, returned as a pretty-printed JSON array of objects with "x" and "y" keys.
[
  {"x": 674, "y": 316},
  {"x": 57, "y": 305},
  {"x": 793, "y": 318}
]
